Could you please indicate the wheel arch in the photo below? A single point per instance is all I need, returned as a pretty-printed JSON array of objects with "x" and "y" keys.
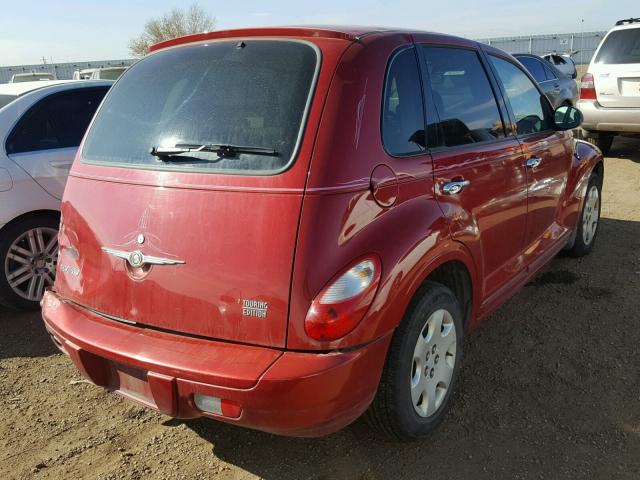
[
  {"x": 31, "y": 214},
  {"x": 455, "y": 269}
]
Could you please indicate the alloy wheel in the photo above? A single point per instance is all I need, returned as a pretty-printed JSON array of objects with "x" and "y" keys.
[{"x": 30, "y": 264}]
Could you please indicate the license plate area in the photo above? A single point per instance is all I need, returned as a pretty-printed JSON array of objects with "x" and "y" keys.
[
  {"x": 630, "y": 87},
  {"x": 132, "y": 383}
]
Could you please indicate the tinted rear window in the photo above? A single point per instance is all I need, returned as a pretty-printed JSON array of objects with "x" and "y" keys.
[
  {"x": 252, "y": 93},
  {"x": 620, "y": 46},
  {"x": 535, "y": 68}
]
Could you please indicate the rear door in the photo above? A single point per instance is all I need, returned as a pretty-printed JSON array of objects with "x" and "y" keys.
[
  {"x": 547, "y": 152},
  {"x": 479, "y": 167},
  {"x": 45, "y": 140},
  {"x": 617, "y": 69}
]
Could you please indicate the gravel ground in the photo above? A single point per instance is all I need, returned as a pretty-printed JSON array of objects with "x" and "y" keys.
[{"x": 549, "y": 389}]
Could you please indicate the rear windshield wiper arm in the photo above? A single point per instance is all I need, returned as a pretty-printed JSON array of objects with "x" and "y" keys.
[{"x": 222, "y": 150}]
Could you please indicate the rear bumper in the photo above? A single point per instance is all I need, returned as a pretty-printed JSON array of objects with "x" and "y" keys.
[
  {"x": 283, "y": 392},
  {"x": 600, "y": 119}
]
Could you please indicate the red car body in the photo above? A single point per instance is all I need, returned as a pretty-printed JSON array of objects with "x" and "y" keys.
[{"x": 178, "y": 330}]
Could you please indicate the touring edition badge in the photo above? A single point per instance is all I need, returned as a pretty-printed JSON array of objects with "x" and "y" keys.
[{"x": 254, "y": 308}]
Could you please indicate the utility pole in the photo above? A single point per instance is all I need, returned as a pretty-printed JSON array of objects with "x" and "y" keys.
[{"x": 44, "y": 60}]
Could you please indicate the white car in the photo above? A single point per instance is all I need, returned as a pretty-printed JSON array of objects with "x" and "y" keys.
[
  {"x": 31, "y": 77},
  {"x": 610, "y": 90},
  {"x": 41, "y": 126},
  {"x": 103, "y": 73}
]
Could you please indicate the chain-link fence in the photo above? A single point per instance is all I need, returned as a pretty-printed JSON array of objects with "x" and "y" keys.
[
  {"x": 61, "y": 71},
  {"x": 581, "y": 45}
]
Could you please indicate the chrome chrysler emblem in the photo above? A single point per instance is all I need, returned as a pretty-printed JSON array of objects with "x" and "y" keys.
[{"x": 138, "y": 259}]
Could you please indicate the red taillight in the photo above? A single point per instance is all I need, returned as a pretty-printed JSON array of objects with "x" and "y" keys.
[
  {"x": 340, "y": 305},
  {"x": 587, "y": 87}
]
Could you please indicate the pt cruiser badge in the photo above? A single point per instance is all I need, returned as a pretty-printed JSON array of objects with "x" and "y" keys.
[{"x": 138, "y": 259}]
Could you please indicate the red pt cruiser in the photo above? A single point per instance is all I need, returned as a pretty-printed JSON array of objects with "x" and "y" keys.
[{"x": 284, "y": 228}]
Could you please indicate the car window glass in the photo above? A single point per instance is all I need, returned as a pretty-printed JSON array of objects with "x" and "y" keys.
[
  {"x": 403, "y": 111},
  {"x": 463, "y": 96},
  {"x": 529, "y": 106},
  {"x": 534, "y": 67},
  {"x": 58, "y": 121},
  {"x": 620, "y": 47},
  {"x": 548, "y": 72},
  {"x": 252, "y": 94}
]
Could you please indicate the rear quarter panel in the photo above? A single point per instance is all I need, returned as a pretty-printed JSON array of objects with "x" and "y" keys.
[{"x": 341, "y": 220}]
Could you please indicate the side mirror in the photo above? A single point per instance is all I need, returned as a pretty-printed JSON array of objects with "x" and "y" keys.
[{"x": 567, "y": 118}]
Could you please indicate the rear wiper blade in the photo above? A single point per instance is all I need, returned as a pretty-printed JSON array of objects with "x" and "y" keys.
[{"x": 222, "y": 150}]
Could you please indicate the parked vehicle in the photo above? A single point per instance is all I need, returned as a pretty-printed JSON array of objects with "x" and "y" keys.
[
  {"x": 289, "y": 241},
  {"x": 102, "y": 73},
  {"x": 84, "y": 74},
  {"x": 31, "y": 77},
  {"x": 564, "y": 63},
  {"x": 610, "y": 90},
  {"x": 107, "y": 73},
  {"x": 41, "y": 124},
  {"x": 559, "y": 88}
]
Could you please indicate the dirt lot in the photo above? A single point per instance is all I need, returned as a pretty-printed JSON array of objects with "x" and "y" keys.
[{"x": 550, "y": 389}]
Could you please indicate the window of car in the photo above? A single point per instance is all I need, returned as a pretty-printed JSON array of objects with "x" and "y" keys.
[
  {"x": 403, "y": 110},
  {"x": 531, "y": 109},
  {"x": 463, "y": 97},
  {"x": 57, "y": 121},
  {"x": 254, "y": 93},
  {"x": 549, "y": 72},
  {"x": 558, "y": 60},
  {"x": 620, "y": 47},
  {"x": 535, "y": 68}
]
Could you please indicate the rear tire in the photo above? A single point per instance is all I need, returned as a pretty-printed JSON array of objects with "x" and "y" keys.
[
  {"x": 589, "y": 221},
  {"x": 28, "y": 257},
  {"x": 422, "y": 367}
]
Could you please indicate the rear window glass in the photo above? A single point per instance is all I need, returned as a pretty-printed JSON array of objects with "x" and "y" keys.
[
  {"x": 535, "y": 68},
  {"x": 620, "y": 46},
  {"x": 241, "y": 94}
]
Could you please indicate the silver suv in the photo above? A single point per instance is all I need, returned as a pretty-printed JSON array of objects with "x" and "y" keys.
[{"x": 610, "y": 91}]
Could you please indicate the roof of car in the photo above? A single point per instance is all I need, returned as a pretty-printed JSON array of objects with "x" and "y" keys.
[
  {"x": 351, "y": 33},
  {"x": 21, "y": 88}
]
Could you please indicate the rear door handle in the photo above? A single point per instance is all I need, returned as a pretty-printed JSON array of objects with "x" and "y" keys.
[
  {"x": 533, "y": 162},
  {"x": 453, "y": 188}
]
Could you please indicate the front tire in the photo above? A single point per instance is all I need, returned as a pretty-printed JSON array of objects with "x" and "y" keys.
[
  {"x": 587, "y": 228},
  {"x": 422, "y": 367},
  {"x": 28, "y": 257}
]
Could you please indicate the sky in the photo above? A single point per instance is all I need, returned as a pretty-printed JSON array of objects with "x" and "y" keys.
[{"x": 67, "y": 31}]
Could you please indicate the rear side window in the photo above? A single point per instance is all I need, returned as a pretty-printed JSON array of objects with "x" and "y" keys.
[
  {"x": 403, "y": 110},
  {"x": 550, "y": 73},
  {"x": 463, "y": 96},
  {"x": 244, "y": 94},
  {"x": 534, "y": 67},
  {"x": 57, "y": 121},
  {"x": 620, "y": 46},
  {"x": 531, "y": 109}
]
